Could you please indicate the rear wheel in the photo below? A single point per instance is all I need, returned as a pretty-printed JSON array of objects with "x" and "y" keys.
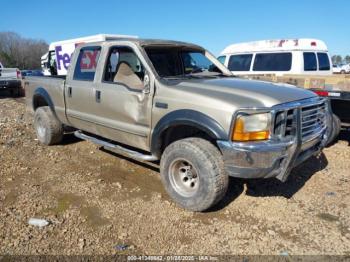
[
  {"x": 49, "y": 129},
  {"x": 193, "y": 173}
]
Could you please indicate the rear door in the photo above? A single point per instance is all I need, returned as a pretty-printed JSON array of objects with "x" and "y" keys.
[{"x": 80, "y": 86}]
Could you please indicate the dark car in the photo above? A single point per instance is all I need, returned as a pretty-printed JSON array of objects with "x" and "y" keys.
[{"x": 32, "y": 73}]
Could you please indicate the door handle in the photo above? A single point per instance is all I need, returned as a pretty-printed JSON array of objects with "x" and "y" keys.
[
  {"x": 98, "y": 96},
  {"x": 69, "y": 91}
]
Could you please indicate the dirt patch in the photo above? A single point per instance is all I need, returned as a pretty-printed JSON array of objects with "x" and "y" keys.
[{"x": 98, "y": 202}]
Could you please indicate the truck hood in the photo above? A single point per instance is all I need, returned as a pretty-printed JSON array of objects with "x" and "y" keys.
[{"x": 245, "y": 93}]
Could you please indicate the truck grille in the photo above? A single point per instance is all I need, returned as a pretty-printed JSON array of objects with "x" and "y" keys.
[{"x": 313, "y": 120}]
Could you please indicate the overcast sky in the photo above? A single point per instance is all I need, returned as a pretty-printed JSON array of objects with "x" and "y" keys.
[{"x": 212, "y": 24}]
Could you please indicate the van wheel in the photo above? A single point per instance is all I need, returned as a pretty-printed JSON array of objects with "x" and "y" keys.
[
  {"x": 193, "y": 174},
  {"x": 49, "y": 129}
]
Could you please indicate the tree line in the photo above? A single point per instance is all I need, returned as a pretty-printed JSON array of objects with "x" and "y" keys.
[
  {"x": 338, "y": 59},
  {"x": 20, "y": 52},
  {"x": 25, "y": 53}
]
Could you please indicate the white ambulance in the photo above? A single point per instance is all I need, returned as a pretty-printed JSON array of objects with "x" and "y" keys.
[
  {"x": 278, "y": 57},
  {"x": 57, "y": 59}
]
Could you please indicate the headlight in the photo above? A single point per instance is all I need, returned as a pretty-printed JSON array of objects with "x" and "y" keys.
[{"x": 252, "y": 127}]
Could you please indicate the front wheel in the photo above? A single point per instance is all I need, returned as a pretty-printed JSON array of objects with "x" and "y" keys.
[
  {"x": 193, "y": 174},
  {"x": 336, "y": 127}
]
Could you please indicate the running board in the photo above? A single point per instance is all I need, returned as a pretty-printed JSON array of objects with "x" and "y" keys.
[{"x": 116, "y": 148}]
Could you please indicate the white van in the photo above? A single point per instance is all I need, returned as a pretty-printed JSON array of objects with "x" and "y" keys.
[
  {"x": 278, "y": 57},
  {"x": 57, "y": 59}
]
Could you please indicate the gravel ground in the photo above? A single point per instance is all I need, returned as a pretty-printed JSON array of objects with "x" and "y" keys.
[{"x": 96, "y": 200}]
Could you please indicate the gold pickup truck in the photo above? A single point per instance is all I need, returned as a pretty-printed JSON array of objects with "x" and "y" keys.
[{"x": 175, "y": 103}]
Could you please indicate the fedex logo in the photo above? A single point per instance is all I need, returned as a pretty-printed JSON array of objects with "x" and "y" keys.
[
  {"x": 63, "y": 56},
  {"x": 88, "y": 63}
]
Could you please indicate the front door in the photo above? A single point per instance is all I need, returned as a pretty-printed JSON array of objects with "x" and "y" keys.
[{"x": 123, "y": 99}]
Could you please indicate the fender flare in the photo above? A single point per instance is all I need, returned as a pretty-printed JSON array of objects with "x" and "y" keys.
[
  {"x": 190, "y": 118},
  {"x": 43, "y": 94}
]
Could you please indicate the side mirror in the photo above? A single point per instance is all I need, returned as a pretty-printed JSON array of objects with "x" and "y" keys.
[{"x": 146, "y": 84}]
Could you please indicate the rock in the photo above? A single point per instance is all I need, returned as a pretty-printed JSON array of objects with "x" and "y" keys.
[
  {"x": 81, "y": 243},
  {"x": 118, "y": 185},
  {"x": 123, "y": 235},
  {"x": 38, "y": 222},
  {"x": 271, "y": 232}
]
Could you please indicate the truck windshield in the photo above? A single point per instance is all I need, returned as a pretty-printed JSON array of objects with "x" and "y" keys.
[{"x": 179, "y": 62}]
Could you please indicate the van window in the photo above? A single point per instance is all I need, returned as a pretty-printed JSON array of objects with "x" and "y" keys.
[
  {"x": 310, "y": 63},
  {"x": 323, "y": 61},
  {"x": 273, "y": 62},
  {"x": 222, "y": 59},
  {"x": 86, "y": 65},
  {"x": 240, "y": 62}
]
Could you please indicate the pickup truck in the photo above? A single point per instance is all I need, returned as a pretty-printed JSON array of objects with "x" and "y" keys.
[
  {"x": 10, "y": 79},
  {"x": 175, "y": 103}
]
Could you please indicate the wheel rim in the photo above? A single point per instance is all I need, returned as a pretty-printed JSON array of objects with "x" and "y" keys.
[
  {"x": 41, "y": 131},
  {"x": 184, "y": 177}
]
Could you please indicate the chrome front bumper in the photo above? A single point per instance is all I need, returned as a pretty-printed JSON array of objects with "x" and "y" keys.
[{"x": 272, "y": 158}]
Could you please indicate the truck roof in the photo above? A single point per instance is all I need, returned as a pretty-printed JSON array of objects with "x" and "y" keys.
[
  {"x": 151, "y": 42},
  {"x": 304, "y": 44}
]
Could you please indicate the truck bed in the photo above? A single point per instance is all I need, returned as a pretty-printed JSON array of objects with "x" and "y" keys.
[{"x": 49, "y": 86}]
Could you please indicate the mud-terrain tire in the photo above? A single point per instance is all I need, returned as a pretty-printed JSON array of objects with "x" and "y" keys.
[
  {"x": 193, "y": 174},
  {"x": 336, "y": 127},
  {"x": 49, "y": 129}
]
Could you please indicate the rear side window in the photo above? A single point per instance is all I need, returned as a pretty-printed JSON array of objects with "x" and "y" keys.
[
  {"x": 310, "y": 63},
  {"x": 86, "y": 65},
  {"x": 273, "y": 62},
  {"x": 222, "y": 59},
  {"x": 323, "y": 61},
  {"x": 240, "y": 62}
]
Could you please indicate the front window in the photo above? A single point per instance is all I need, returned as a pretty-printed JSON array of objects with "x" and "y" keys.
[
  {"x": 240, "y": 62},
  {"x": 124, "y": 67},
  {"x": 273, "y": 62},
  {"x": 180, "y": 62}
]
